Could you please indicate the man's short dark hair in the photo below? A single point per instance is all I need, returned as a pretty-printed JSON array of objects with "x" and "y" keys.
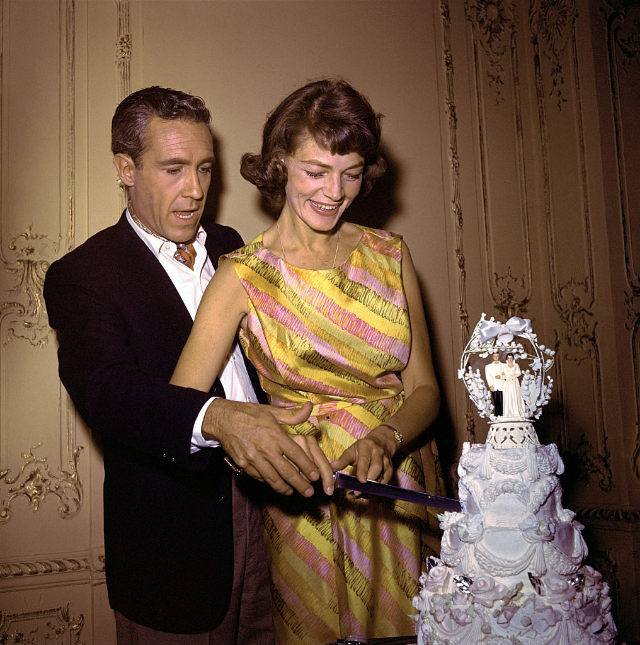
[{"x": 132, "y": 117}]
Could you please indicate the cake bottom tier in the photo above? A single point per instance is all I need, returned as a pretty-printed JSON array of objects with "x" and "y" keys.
[{"x": 549, "y": 610}]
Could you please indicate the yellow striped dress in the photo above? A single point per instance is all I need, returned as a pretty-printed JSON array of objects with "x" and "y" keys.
[{"x": 338, "y": 338}]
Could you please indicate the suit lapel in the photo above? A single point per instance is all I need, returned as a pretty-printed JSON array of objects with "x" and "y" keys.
[
  {"x": 149, "y": 282},
  {"x": 214, "y": 248},
  {"x": 146, "y": 280}
]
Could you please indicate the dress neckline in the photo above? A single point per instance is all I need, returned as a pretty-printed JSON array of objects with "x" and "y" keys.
[{"x": 327, "y": 270}]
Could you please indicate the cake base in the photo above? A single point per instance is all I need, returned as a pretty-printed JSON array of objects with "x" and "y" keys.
[
  {"x": 512, "y": 563},
  {"x": 490, "y": 613}
]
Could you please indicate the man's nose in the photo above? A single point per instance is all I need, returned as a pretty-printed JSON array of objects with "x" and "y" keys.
[{"x": 193, "y": 185}]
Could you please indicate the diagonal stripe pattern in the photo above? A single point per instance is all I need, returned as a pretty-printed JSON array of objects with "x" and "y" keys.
[{"x": 339, "y": 337}]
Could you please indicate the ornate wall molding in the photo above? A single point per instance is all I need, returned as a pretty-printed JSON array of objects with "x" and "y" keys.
[
  {"x": 624, "y": 30},
  {"x": 494, "y": 30},
  {"x": 635, "y": 344},
  {"x": 590, "y": 462},
  {"x": 552, "y": 26},
  {"x": 510, "y": 295},
  {"x": 493, "y": 23},
  {"x": 124, "y": 47},
  {"x": 35, "y": 481},
  {"x": 561, "y": 291},
  {"x": 67, "y": 92},
  {"x": 577, "y": 347},
  {"x": 43, "y": 567},
  {"x": 42, "y": 627},
  {"x": 623, "y": 516},
  {"x": 456, "y": 205},
  {"x": 26, "y": 258},
  {"x": 553, "y": 36},
  {"x": 29, "y": 254},
  {"x": 623, "y": 48},
  {"x": 124, "y": 50}
]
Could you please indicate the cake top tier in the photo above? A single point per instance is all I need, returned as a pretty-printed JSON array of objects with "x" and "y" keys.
[
  {"x": 512, "y": 434},
  {"x": 504, "y": 368}
]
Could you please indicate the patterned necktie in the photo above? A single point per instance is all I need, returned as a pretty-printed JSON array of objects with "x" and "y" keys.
[{"x": 185, "y": 253}]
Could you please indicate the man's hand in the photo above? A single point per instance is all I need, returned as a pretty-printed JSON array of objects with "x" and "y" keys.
[
  {"x": 310, "y": 445},
  {"x": 251, "y": 435}
]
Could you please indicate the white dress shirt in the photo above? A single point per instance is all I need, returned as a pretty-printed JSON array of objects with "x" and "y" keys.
[{"x": 191, "y": 285}]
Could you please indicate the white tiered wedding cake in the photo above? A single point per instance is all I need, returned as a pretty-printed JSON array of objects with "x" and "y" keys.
[{"x": 511, "y": 566}]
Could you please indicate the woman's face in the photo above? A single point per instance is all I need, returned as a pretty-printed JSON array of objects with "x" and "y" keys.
[
  {"x": 321, "y": 186},
  {"x": 510, "y": 360}
]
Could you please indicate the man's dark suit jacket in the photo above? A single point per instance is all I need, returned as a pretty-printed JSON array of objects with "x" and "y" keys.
[{"x": 167, "y": 514}]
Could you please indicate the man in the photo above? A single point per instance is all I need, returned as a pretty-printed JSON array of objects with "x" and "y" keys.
[
  {"x": 493, "y": 376},
  {"x": 184, "y": 551}
]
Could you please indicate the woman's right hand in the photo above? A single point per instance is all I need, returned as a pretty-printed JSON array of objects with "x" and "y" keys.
[
  {"x": 311, "y": 448},
  {"x": 371, "y": 456}
]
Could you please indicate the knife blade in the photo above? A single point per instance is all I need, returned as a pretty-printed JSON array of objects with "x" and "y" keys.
[{"x": 349, "y": 482}]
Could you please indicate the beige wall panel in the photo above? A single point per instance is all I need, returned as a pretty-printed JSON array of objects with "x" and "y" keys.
[
  {"x": 108, "y": 32},
  {"x": 47, "y": 561},
  {"x": 502, "y": 172},
  {"x": 54, "y": 614},
  {"x": 616, "y": 49},
  {"x": 572, "y": 278},
  {"x": 252, "y": 54},
  {"x": 511, "y": 132},
  {"x": 32, "y": 77},
  {"x": 614, "y": 28},
  {"x": 458, "y": 284},
  {"x": 36, "y": 208}
]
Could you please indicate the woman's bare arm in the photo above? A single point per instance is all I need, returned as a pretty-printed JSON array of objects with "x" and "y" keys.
[{"x": 223, "y": 306}]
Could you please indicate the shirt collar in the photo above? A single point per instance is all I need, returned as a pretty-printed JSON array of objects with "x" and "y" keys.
[{"x": 155, "y": 241}]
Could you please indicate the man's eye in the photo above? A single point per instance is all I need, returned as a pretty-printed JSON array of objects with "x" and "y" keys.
[
  {"x": 315, "y": 175},
  {"x": 206, "y": 169},
  {"x": 173, "y": 171}
]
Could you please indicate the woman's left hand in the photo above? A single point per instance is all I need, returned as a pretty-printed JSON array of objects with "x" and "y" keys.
[{"x": 372, "y": 456}]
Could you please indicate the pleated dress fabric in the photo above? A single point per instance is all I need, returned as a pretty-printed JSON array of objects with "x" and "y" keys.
[{"x": 338, "y": 338}]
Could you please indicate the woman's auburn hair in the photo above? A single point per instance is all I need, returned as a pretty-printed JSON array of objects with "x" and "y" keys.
[{"x": 332, "y": 113}]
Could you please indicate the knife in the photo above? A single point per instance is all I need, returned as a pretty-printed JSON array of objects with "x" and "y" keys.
[{"x": 349, "y": 482}]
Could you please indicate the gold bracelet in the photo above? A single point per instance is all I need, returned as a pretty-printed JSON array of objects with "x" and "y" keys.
[{"x": 396, "y": 435}]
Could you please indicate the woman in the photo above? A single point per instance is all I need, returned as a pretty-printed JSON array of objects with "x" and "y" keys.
[
  {"x": 331, "y": 313},
  {"x": 513, "y": 403}
]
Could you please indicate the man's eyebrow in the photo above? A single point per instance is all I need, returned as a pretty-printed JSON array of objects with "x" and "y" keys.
[{"x": 179, "y": 161}]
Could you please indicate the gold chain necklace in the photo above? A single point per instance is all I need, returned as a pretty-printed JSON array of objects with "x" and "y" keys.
[{"x": 335, "y": 255}]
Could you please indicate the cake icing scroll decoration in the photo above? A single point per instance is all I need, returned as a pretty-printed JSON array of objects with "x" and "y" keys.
[{"x": 504, "y": 369}]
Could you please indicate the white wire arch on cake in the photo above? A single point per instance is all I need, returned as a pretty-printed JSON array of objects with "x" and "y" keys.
[{"x": 490, "y": 336}]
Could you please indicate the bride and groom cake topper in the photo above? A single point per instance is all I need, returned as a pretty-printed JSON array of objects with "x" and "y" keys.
[{"x": 490, "y": 367}]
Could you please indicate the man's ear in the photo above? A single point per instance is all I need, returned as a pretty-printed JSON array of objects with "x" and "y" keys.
[{"x": 125, "y": 167}]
